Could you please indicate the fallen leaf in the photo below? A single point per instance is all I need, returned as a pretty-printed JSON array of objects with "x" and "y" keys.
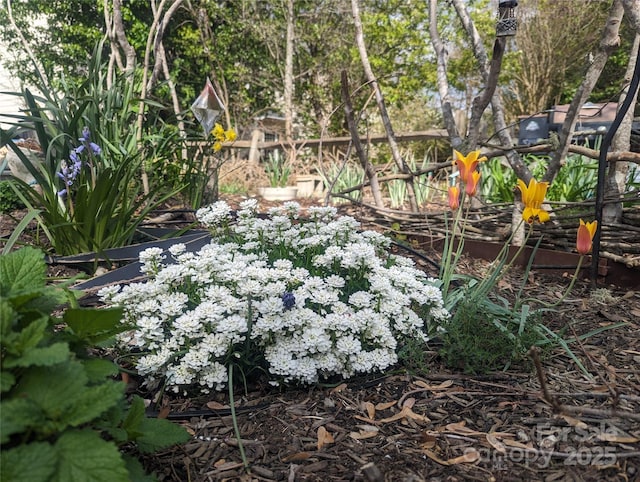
[
  {"x": 409, "y": 403},
  {"x": 324, "y": 437},
  {"x": 365, "y": 419},
  {"x": 443, "y": 386},
  {"x": 368, "y": 428},
  {"x": 612, "y": 437},
  {"x": 574, "y": 422},
  {"x": 406, "y": 412},
  {"x": 216, "y": 405},
  {"x": 384, "y": 406},
  {"x": 434, "y": 457},
  {"x": 365, "y": 432},
  {"x": 428, "y": 440},
  {"x": 297, "y": 457},
  {"x": 339, "y": 388},
  {"x": 164, "y": 412},
  {"x": 468, "y": 457},
  {"x": 459, "y": 429},
  {"x": 516, "y": 444},
  {"x": 495, "y": 443},
  {"x": 371, "y": 410}
]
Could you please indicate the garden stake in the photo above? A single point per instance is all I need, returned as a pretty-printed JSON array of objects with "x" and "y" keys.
[{"x": 602, "y": 168}]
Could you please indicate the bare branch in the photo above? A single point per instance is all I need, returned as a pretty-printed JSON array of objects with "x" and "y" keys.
[
  {"x": 608, "y": 43},
  {"x": 393, "y": 145}
]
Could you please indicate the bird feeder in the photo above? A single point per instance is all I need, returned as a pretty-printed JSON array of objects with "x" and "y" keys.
[{"x": 507, "y": 23}]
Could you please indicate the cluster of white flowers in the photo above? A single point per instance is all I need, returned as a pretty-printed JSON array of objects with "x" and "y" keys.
[{"x": 313, "y": 296}]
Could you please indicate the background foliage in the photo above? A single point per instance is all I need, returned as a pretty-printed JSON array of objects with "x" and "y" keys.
[{"x": 241, "y": 45}]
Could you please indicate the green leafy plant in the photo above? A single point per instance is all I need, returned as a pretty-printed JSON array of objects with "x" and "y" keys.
[
  {"x": 9, "y": 200},
  {"x": 486, "y": 331},
  {"x": 340, "y": 177},
  {"x": 575, "y": 181},
  {"x": 87, "y": 200},
  {"x": 277, "y": 169},
  {"x": 64, "y": 417},
  {"x": 397, "y": 192}
]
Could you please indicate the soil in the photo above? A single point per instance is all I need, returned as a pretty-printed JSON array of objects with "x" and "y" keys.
[{"x": 550, "y": 423}]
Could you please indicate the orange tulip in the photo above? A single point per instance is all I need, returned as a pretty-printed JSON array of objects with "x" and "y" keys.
[
  {"x": 467, "y": 164},
  {"x": 532, "y": 198},
  {"x": 471, "y": 186},
  {"x": 586, "y": 232},
  {"x": 454, "y": 197}
]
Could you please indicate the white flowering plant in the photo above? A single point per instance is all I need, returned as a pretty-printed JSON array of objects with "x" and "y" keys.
[{"x": 302, "y": 297}]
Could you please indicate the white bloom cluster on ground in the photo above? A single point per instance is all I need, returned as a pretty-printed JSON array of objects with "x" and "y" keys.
[{"x": 308, "y": 297}]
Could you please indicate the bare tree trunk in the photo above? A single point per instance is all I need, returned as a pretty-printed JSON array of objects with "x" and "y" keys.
[
  {"x": 154, "y": 37},
  {"x": 206, "y": 35},
  {"x": 115, "y": 59},
  {"x": 482, "y": 100},
  {"x": 369, "y": 170},
  {"x": 499, "y": 121},
  {"x": 618, "y": 170},
  {"x": 121, "y": 37},
  {"x": 632, "y": 11},
  {"x": 441, "y": 77},
  {"x": 288, "y": 74},
  {"x": 393, "y": 145},
  {"x": 25, "y": 44},
  {"x": 608, "y": 43}
]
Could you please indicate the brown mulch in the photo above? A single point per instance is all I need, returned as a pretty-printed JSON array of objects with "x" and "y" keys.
[
  {"x": 438, "y": 423},
  {"x": 435, "y": 423}
]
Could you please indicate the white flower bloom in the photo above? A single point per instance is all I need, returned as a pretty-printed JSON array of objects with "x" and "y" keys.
[
  {"x": 177, "y": 249},
  {"x": 214, "y": 214},
  {"x": 361, "y": 299},
  {"x": 107, "y": 293},
  {"x": 317, "y": 297}
]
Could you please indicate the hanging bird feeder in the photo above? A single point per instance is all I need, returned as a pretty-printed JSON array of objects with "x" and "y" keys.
[{"x": 507, "y": 23}]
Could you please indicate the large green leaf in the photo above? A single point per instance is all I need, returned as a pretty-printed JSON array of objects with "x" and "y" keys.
[
  {"x": 135, "y": 416},
  {"x": 136, "y": 470},
  {"x": 34, "y": 462},
  {"x": 18, "y": 414},
  {"x": 53, "y": 388},
  {"x": 84, "y": 456},
  {"x": 94, "y": 325},
  {"x": 159, "y": 433},
  {"x": 93, "y": 402},
  {"x": 40, "y": 356},
  {"x": 21, "y": 270},
  {"x": 30, "y": 336},
  {"x": 98, "y": 369},
  {"x": 6, "y": 381}
]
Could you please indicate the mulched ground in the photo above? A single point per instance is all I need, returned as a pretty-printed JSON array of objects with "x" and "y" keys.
[{"x": 437, "y": 424}]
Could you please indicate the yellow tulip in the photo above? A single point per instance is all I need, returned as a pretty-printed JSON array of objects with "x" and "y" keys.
[
  {"x": 586, "y": 232},
  {"x": 532, "y": 198}
]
